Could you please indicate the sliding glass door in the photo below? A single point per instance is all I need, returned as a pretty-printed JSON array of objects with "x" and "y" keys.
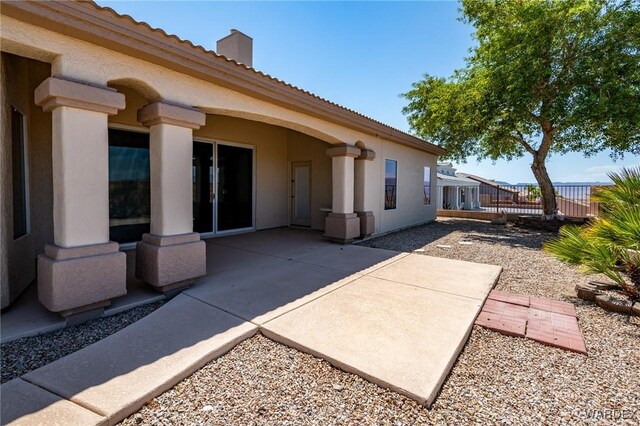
[
  {"x": 203, "y": 193},
  {"x": 223, "y": 187}
]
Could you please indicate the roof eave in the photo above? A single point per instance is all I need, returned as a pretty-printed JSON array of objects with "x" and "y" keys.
[{"x": 89, "y": 22}]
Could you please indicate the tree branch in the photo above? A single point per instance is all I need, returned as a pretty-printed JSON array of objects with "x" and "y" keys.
[{"x": 522, "y": 141}]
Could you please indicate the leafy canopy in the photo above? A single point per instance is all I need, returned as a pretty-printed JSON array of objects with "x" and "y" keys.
[{"x": 545, "y": 76}]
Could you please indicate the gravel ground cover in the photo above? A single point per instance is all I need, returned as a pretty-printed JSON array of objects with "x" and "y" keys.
[
  {"x": 23, "y": 355},
  {"x": 496, "y": 380}
]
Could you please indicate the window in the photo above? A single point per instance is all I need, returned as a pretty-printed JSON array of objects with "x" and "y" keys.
[
  {"x": 390, "y": 184},
  {"x": 427, "y": 185},
  {"x": 19, "y": 174},
  {"x": 129, "y": 185}
]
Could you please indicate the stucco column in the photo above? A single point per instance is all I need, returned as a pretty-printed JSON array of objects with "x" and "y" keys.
[
  {"x": 476, "y": 193},
  {"x": 468, "y": 197},
  {"x": 342, "y": 224},
  {"x": 456, "y": 198},
  {"x": 363, "y": 190},
  {"x": 171, "y": 255},
  {"x": 440, "y": 203},
  {"x": 82, "y": 270}
]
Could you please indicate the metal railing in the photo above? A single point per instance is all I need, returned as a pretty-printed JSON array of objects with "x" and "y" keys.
[{"x": 571, "y": 200}]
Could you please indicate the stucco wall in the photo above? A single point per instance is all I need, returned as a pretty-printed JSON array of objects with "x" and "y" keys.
[
  {"x": 94, "y": 64},
  {"x": 301, "y": 147},
  {"x": 5, "y": 184},
  {"x": 410, "y": 207},
  {"x": 20, "y": 77},
  {"x": 275, "y": 148},
  {"x": 270, "y": 154}
]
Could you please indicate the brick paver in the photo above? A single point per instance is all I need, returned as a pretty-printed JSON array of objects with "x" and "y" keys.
[
  {"x": 551, "y": 322},
  {"x": 551, "y": 305},
  {"x": 508, "y": 297},
  {"x": 502, "y": 323}
]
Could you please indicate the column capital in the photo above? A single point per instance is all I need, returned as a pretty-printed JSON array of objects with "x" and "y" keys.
[
  {"x": 366, "y": 154},
  {"x": 55, "y": 92},
  {"x": 162, "y": 113},
  {"x": 343, "y": 150}
]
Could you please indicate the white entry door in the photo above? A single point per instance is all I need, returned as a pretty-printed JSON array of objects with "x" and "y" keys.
[{"x": 301, "y": 194}]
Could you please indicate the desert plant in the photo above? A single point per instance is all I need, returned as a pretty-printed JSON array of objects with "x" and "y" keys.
[
  {"x": 533, "y": 192},
  {"x": 610, "y": 243}
]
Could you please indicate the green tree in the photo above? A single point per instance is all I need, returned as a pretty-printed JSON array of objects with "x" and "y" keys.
[{"x": 544, "y": 77}]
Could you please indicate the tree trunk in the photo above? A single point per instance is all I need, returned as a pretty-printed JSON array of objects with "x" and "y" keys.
[{"x": 546, "y": 187}]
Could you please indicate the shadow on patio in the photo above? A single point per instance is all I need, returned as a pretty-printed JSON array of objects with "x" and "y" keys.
[{"x": 252, "y": 277}]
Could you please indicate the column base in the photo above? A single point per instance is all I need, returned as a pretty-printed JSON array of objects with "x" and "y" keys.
[
  {"x": 342, "y": 227},
  {"x": 171, "y": 262},
  {"x": 77, "y": 279},
  {"x": 367, "y": 223}
]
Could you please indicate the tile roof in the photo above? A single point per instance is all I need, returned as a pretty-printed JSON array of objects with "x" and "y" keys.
[{"x": 113, "y": 13}]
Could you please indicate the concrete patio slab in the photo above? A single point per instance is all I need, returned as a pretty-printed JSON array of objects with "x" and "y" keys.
[
  {"x": 261, "y": 293},
  {"x": 399, "y": 336},
  {"x": 26, "y": 404},
  {"x": 285, "y": 243},
  {"x": 27, "y": 317},
  {"x": 138, "y": 293},
  {"x": 117, "y": 375},
  {"x": 445, "y": 275},
  {"x": 351, "y": 258},
  {"x": 222, "y": 258},
  {"x": 397, "y": 319}
]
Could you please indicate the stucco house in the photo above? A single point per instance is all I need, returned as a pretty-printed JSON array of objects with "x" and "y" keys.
[
  {"x": 116, "y": 136},
  {"x": 492, "y": 193},
  {"x": 456, "y": 192}
]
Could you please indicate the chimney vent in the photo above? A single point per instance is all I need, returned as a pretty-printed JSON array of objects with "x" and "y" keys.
[{"x": 237, "y": 46}]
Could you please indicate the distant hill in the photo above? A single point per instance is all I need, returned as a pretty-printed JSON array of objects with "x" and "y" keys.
[{"x": 570, "y": 183}]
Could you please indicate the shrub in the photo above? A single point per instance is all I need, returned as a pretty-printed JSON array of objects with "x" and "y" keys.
[{"x": 610, "y": 243}]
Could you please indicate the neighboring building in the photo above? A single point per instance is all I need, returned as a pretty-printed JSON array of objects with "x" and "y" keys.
[
  {"x": 116, "y": 135},
  {"x": 456, "y": 192},
  {"x": 492, "y": 193}
]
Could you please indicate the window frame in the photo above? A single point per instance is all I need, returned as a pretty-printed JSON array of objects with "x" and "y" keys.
[
  {"x": 24, "y": 159},
  {"x": 131, "y": 129},
  {"x": 395, "y": 191},
  {"x": 426, "y": 202}
]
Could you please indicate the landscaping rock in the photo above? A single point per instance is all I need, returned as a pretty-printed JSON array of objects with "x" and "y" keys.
[
  {"x": 496, "y": 380},
  {"x": 587, "y": 292},
  {"x": 601, "y": 285},
  {"x": 636, "y": 309},
  {"x": 617, "y": 304},
  {"x": 502, "y": 220}
]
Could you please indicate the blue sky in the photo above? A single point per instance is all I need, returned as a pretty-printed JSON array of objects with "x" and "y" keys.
[{"x": 361, "y": 55}]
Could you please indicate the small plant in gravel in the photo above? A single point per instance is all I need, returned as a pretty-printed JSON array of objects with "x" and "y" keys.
[{"x": 609, "y": 244}]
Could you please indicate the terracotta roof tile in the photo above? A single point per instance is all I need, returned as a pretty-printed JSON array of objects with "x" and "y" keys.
[{"x": 176, "y": 38}]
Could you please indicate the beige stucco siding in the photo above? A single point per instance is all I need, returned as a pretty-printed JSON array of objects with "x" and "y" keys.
[
  {"x": 20, "y": 77},
  {"x": 302, "y": 147},
  {"x": 93, "y": 64},
  {"x": 410, "y": 208},
  {"x": 280, "y": 135},
  {"x": 270, "y": 151}
]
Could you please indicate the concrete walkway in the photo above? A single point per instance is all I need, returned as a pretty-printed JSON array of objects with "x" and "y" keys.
[{"x": 397, "y": 319}]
